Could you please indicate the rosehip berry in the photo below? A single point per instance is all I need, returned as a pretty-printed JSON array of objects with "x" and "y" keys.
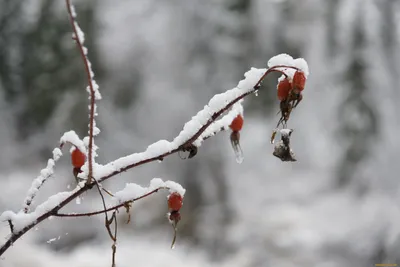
[
  {"x": 175, "y": 201},
  {"x": 237, "y": 123},
  {"x": 284, "y": 88},
  {"x": 299, "y": 80},
  {"x": 77, "y": 158}
]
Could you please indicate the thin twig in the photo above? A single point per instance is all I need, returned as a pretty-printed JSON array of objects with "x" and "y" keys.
[
  {"x": 11, "y": 226},
  {"x": 114, "y": 245},
  {"x": 107, "y": 221},
  {"x": 108, "y": 192},
  {"x": 110, "y": 208},
  {"x": 85, "y": 59}
]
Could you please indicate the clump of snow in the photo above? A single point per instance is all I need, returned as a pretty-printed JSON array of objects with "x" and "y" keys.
[
  {"x": 57, "y": 154},
  {"x": 133, "y": 191},
  {"x": 81, "y": 35},
  {"x": 287, "y": 60},
  {"x": 72, "y": 138}
]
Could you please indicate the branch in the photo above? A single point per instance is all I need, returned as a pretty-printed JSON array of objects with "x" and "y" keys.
[
  {"x": 93, "y": 87},
  {"x": 110, "y": 208}
]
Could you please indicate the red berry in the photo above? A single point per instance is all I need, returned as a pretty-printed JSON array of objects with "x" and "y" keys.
[
  {"x": 77, "y": 158},
  {"x": 175, "y": 201},
  {"x": 284, "y": 88},
  {"x": 299, "y": 80},
  {"x": 237, "y": 123}
]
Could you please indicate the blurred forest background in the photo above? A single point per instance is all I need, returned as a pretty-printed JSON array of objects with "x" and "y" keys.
[{"x": 158, "y": 63}]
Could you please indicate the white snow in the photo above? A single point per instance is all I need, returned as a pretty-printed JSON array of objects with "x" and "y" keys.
[
  {"x": 57, "y": 154},
  {"x": 73, "y": 12},
  {"x": 133, "y": 191},
  {"x": 81, "y": 35},
  {"x": 287, "y": 60},
  {"x": 221, "y": 124},
  {"x": 72, "y": 138},
  {"x": 21, "y": 220},
  {"x": 45, "y": 174}
]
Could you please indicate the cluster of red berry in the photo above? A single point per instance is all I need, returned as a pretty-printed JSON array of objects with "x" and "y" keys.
[
  {"x": 175, "y": 202},
  {"x": 289, "y": 94}
]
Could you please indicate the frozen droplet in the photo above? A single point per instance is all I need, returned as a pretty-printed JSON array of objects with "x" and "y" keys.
[
  {"x": 256, "y": 92},
  {"x": 238, "y": 154},
  {"x": 78, "y": 200},
  {"x": 235, "y": 137}
]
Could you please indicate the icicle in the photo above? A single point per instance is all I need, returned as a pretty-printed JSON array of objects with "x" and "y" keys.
[{"x": 235, "y": 137}]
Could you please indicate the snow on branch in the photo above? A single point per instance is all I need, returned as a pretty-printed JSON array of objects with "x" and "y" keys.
[
  {"x": 221, "y": 124},
  {"x": 21, "y": 220},
  {"x": 288, "y": 65},
  {"x": 72, "y": 138},
  {"x": 192, "y": 130},
  {"x": 93, "y": 88},
  {"x": 45, "y": 174}
]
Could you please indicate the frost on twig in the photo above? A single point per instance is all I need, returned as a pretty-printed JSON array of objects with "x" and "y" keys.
[
  {"x": 282, "y": 149},
  {"x": 41, "y": 179}
]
